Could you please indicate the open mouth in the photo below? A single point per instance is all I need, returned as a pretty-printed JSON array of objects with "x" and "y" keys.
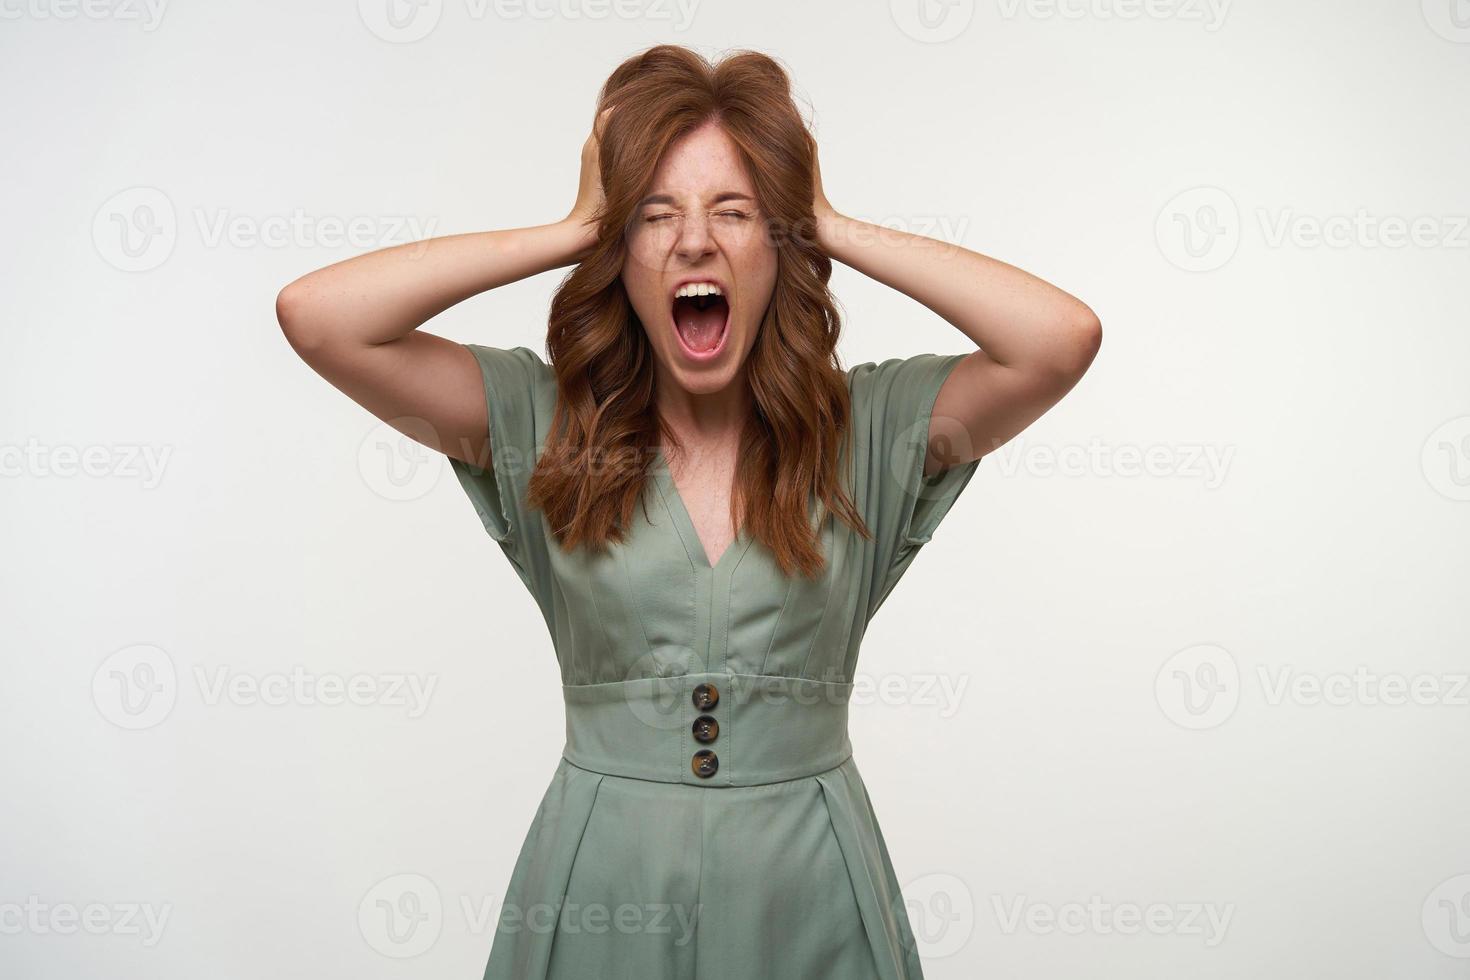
[{"x": 701, "y": 315}]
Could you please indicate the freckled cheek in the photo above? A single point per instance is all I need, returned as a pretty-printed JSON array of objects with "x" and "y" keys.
[
  {"x": 647, "y": 304},
  {"x": 757, "y": 279},
  {"x": 645, "y": 256},
  {"x": 642, "y": 283}
]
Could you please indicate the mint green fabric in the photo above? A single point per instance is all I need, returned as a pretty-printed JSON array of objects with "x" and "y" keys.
[{"x": 774, "y": 867}]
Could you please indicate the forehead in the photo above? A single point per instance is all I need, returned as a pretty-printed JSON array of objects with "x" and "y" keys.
[{"x": 701, "y": 163}]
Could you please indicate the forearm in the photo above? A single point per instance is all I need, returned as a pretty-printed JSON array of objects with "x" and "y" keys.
[
  {"x": 383, "y": 295},
  {"x": 1017, "y": 319}
]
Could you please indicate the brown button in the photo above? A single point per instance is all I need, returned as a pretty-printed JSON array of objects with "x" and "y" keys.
[
  {"x": 706, "y": 729},
  {"x": 706, "y": 696},
  {"x": 705, "y": 763}
]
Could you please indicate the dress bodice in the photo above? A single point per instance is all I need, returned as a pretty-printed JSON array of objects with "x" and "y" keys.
[{"x": 651, "y": 605}]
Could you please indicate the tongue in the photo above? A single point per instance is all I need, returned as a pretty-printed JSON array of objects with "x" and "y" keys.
[{"x": 700, "y": 328}]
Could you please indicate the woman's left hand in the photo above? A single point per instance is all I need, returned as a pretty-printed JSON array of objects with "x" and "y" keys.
[
  {"x": 820, "y": 206},
  {"x": 826, "y": 216},
  {"x": 1034, "y": 340}
]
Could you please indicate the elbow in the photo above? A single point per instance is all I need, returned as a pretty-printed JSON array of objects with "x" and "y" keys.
[
  {"x": 1083, "y": 339},
  {"x": 295, "y": 320}
]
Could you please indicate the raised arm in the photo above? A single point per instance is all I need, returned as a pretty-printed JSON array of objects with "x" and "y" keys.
[
  {"x": 1035, "y": 340},
  {"x": 356, "y": 322}
]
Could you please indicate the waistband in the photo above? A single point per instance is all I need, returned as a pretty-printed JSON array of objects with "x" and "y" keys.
[{"x": 708, "y": 729}]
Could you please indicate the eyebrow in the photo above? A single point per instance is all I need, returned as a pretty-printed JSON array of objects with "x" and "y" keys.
[{"x": 719, "y": 198}]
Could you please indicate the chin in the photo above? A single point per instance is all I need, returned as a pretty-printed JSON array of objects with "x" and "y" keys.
[{"x": 705, "y": 377}]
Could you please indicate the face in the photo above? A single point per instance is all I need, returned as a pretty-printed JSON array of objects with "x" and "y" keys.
[{"x": 700, "y": 269}]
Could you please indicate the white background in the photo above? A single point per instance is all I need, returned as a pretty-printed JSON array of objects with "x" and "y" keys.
[{"x": 1129, "y": 654}]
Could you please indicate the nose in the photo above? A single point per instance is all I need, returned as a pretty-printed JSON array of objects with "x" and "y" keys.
[{"x": 695, "y": 240}]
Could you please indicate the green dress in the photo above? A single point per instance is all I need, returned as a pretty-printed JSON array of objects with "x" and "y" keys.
[{"x": 707, "y": 819}]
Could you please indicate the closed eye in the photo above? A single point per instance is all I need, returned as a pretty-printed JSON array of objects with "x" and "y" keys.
[{"x": 741, "y": 215}]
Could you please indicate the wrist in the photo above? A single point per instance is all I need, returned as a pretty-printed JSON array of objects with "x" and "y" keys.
[
  {"x": 829, "y": 228},
  {"x": 581, "y": 233}
]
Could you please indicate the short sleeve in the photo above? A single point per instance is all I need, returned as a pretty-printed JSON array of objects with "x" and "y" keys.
[
  {"x": 520, "y": 394},
  {"x": 892, "y": 405}
]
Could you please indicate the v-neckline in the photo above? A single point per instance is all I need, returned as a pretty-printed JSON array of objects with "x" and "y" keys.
[{"x": 687, "y": 530}]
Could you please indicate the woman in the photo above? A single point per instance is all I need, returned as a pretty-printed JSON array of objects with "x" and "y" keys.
[{"x": 707, "y": 510}]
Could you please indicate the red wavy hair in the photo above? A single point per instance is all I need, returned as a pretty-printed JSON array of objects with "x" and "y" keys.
[{"x": 605, "y": 428}]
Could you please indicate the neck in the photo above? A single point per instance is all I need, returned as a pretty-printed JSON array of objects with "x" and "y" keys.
[{"x": 702, "y": 421}]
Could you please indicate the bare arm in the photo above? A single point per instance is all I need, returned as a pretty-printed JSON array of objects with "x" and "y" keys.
[
  {"x": 1035, "y": 340},
  {"x": 356, "y": 322}
]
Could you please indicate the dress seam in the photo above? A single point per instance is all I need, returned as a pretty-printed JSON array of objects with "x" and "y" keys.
[
  {"x": 637, "y": 607},
  {"x": 776, "y": 627},
  {"x": 694, "y": 786},
  {"x": 658, "y": 478},
  {"x": 718, "y": 673}
]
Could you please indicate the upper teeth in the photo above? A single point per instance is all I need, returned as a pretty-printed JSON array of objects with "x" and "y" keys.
[{"x": 698, "y": 289}]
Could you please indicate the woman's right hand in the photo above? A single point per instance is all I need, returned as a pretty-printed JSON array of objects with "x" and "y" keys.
[
  {"x": 356, "y": 322},
  {"x": 589, "y": 184}
]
